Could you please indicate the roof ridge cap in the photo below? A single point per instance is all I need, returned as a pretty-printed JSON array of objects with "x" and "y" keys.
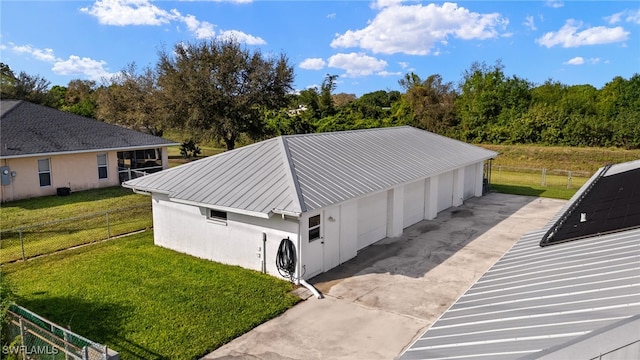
[
  {"x": 338, "y": 132},
  {"x": 13, "y": 107},
  {"x": 291, "y": 173}
]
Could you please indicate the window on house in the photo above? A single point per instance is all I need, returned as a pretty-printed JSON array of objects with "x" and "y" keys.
[
  {"x": 102, "y": 166},
  {"x": 314, "y": 228},
  {"x": 44, "y": 172},
  {"x": 217, "y": 216}
]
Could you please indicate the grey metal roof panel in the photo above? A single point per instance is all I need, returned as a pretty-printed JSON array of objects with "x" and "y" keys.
[
  {"x": 546, "y": 296},
  {"x": 334, "y": 167},
  {"x": 31, "y": 129},
  {"x": 251, "y": 178},
  {"x": 298, "y": 173}
]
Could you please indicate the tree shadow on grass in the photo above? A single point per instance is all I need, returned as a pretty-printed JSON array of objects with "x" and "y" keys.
[
  {"x": 516, "y": 190},
  {"x": 75, "y": 197},
  {"x": 97, "y": 321}
]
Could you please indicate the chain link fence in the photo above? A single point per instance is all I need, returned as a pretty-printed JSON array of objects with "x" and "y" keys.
[
  {"x": 34, "y": 240},
  {"x": 539, "y": 177},
  {"x": 34, "y": 337}
]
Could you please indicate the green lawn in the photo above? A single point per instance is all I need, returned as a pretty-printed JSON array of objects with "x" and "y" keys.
[
  {"x": 47, "y": 224},
  {"x": 530, "y": 183},
  {"x": 148, "y": 302},
  {"x": 27, "y": 212}
]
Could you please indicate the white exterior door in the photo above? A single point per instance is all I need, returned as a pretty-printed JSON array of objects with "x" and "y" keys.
[{"x": 313, "y": 257}]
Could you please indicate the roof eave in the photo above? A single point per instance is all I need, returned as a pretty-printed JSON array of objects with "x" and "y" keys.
[{"x": 136, "y": 147}]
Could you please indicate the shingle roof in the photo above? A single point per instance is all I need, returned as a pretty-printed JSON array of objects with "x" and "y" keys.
[
  {"x": 29, "y": 129},
  {"x": 298, "y": 173},
  {"x": 535, "y": 299}
]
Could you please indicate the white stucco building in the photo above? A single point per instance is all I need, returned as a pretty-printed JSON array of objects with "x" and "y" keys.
[{"x": 331, "y": 194}]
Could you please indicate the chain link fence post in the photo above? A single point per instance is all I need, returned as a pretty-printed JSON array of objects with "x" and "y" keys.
[
  {"x": 21, "y": 243},
  {"x": 108, "y": 228}
]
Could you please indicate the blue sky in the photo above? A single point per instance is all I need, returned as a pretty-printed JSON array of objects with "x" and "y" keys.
[{"x": 370, "y": 45}]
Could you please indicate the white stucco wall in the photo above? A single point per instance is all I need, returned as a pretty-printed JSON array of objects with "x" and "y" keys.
[
  {"x": 345, "y": 227},
  {"x": 185, "y": 228}
]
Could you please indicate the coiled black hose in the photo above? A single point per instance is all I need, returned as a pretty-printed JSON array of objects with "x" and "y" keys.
[{"x": 286, "y": 259}]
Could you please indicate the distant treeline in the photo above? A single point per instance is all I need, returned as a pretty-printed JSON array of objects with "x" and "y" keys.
[{"x": 485, "y": 106}]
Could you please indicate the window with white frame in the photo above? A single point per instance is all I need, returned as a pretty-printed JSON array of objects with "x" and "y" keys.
[
  {"x": 44, "y": 172},
  {"x": 217, "y": 216},
  {"x": 102, "y": 166},
  {"x": 314, "y": 228}
]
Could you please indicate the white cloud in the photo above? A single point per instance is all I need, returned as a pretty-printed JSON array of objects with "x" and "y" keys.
[
  {"x": 357, "y": 64},
  {"x": 389, "y": 73},
  {"x": 128, "y": 12},
  {"x": 92, "y": 69},
  {"x": 143, "y": 12},
  {"x": 569, "y": 36},
  {"x": 403, "y": 64},
  {"x": 632, "y": 16},
  {"x": 415, "y": 29},
  {"x": 579, "y": 60},
  {"x": 312, "y": 64},
  {"x": 45, "y": 55},
  {"x": 331, "y": 16},
  {"x": 74, "y": 65},
  {"x": 555, "y": 3},
  {"x": 201, "y": 29},
  {"x": 241, "y": 37},
  {"x": 529, "y": 23}
]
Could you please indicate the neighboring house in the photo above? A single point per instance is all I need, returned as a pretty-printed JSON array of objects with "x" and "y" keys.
[
  {"x": 331, "y": 194},
  {"x": 44, "y": 150},
  {"x": 568, "y": 291}
]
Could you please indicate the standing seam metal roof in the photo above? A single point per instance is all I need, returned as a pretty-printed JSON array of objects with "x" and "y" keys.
[
  {"x": 298, "y": 173},
  {"x": 535, "y": 298}
]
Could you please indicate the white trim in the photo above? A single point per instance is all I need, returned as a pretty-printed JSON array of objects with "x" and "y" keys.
[
  {"x": 87, "y": 151},
  {"x": 220, "y": 208}
]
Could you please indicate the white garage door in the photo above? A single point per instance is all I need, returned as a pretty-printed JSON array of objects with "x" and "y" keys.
[
  {"x": 469, "y": 181},
  {"x": 413, "y": 203},
  {"x": 372, "y": 219},
  {"x": 445, "y": 191}
]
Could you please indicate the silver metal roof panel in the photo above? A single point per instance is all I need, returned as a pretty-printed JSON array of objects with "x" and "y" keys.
[
  {"x": 535, "y": 298},
  {"x": 297, "y": 173}
]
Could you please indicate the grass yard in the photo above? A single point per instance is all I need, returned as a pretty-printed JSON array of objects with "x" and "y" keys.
[
  {"x": 557, "y": 157},
  {"x": 48, "y": 224},
  {"x": 148, "y": 302},
  {"x": 582, "y": 161},
  {"x": 48, "y": 208}
]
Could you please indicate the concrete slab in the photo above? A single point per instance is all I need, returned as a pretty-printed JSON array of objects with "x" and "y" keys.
[{"x": 376, "y": 304}]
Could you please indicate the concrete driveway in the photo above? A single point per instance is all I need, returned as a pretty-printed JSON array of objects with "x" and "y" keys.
[{"x": 376, "y": 304}]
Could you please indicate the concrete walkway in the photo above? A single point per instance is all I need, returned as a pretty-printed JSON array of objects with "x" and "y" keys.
[{"x": 376, "y": 304}]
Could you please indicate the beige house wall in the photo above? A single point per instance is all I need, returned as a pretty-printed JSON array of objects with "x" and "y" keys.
[{"x": 77, "y": 171}]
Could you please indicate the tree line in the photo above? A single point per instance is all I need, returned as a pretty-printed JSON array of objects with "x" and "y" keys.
[{"x": 220, "y": 91}]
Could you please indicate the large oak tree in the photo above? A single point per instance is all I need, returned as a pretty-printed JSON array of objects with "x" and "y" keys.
[{"x": 220, "y": 88}]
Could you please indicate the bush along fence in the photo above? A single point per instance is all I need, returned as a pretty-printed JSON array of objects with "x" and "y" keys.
[
  {"x": 34, "y": 240},
  {"x": 34, "y": 337},
  {"x": 539, "y": 177}
]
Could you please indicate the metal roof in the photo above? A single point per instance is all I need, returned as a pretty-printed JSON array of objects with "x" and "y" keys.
[
  {"x": 30, "y": 129},
  {"x": 538, "y": 298},
  {"x": 298, "y": 173}
]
